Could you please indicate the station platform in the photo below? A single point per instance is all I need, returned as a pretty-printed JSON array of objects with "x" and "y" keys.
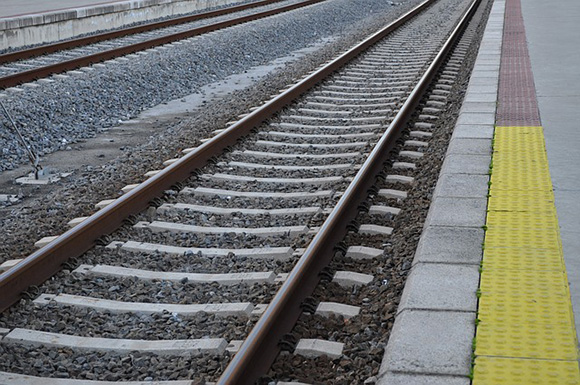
[
  {"x": 13, "y": 8},
  {"x": 493, "y": 296},
  {"x": 25, "y": 23}
]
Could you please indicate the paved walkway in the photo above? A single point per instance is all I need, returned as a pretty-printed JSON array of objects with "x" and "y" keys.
[
  {"x": 525, "y": 331},
  {"x": 553, "y": 34}
]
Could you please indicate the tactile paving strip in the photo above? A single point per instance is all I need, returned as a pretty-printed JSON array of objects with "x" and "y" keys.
[
  {"x": 517, "y": 258},
  {"x": 514, "y": 371},
  {"x": 525, "y": 332}
]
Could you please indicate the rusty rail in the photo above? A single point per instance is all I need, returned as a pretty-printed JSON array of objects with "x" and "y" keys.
[
  {"x": 45, "y": 262},
  {"x": 261, "y": 347},
  {"x": 79, "y": 42},
  {"x": 40, "y": 72}
]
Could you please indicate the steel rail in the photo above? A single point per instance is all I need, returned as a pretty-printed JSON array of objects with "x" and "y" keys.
[
  {"x": 82, "y": 41},
  {"x": 45, "y": 262},
  {"x": 260, "y": 348},
  {"x": 40, "y": 72}
]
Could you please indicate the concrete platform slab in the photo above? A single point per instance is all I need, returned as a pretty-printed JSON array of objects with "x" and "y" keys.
[
  {"x": 471, "y": 131},
  {"x": 458, "y": 245},
  {"x": 462, "y": 186},
  {"x": 466, "y": 146},
  {"x": 421, "y": 379},
  {"x": 442, "y": 347},
  {"x": 441, "y": 287},
  {"x": 466, "y": 164},
  {"x": 458, "y": 212}
]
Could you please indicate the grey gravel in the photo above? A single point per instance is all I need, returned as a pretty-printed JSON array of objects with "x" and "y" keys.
[{"x": 56, "y": 114}]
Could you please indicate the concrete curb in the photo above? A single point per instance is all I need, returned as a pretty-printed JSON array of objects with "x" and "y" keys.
[
  {"x": 46, "y": 27},
  {"x": 431, "y": 340}
]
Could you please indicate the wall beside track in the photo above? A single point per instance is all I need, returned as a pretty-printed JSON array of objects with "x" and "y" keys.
[{"x": 46, "y": 27}]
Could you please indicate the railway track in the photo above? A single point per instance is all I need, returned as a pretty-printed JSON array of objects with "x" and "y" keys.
[
  {"x": 222, "y": 251},
  {"x": 39, "y": 62}
]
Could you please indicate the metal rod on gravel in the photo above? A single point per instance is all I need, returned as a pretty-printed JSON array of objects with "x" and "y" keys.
[{"x": 32, "y": 155}]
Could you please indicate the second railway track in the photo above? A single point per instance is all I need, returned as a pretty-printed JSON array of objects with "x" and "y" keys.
[
  {"x": 36, "y": 63},
  {"x": 179, "y": 288}
]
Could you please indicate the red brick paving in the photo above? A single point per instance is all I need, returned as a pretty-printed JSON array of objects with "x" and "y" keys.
[{"x": 517, "y": 103}]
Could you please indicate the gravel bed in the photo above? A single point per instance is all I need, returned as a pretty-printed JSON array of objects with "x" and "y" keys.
[
  {"x": 187, "y": 263},
  {"x": 237, "y": 220},
  {"x": 73, "y": 53},
  {"x": 366, "y": 335},
  {"x": 70, "y": 363},
  {"x": 159, "y": 326},
  {"x": 135, "y": 290},
  {"x": 54, "y": 115},
  {"x": 10, "y": 49},
  {"x": 226, "y": 240}
]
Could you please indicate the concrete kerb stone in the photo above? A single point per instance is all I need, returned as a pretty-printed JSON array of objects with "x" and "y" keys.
[
  {"x": 477, "y": 118},
  {"x": 473, "y": 131},
  {"x": 457, "y": 212},
  {"x": 421, "y": 379},
  {"x": 446, "y": 287},
  {"x": 466, "y": 164},
  {"x": 455, "y": 245},
  {"x": 479, "y": 106},
  {"x": 465, "y": 146},
  {"x": 430, "y": 342},
  {"x": 462, "y": 186}
]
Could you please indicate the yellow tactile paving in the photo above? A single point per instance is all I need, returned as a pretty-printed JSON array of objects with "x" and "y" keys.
[
  {"x": 517, "y": 258},
  {"x": 531, "y": 281},
  {"x": 517, "y": 219},
  {"x": 526, "y": 340},
  {"x": 525, "y": 332},
  {"x": 546, "y": 312},
  {"x": 522, "y": 237},
  {"x": 507, "y": 200},
  {"x": 514, "y": 371}
]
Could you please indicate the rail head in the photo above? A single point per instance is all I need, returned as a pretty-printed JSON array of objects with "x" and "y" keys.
[
  {"x": 261, "y": 347},
  {"x": 45, "y": 262}
]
